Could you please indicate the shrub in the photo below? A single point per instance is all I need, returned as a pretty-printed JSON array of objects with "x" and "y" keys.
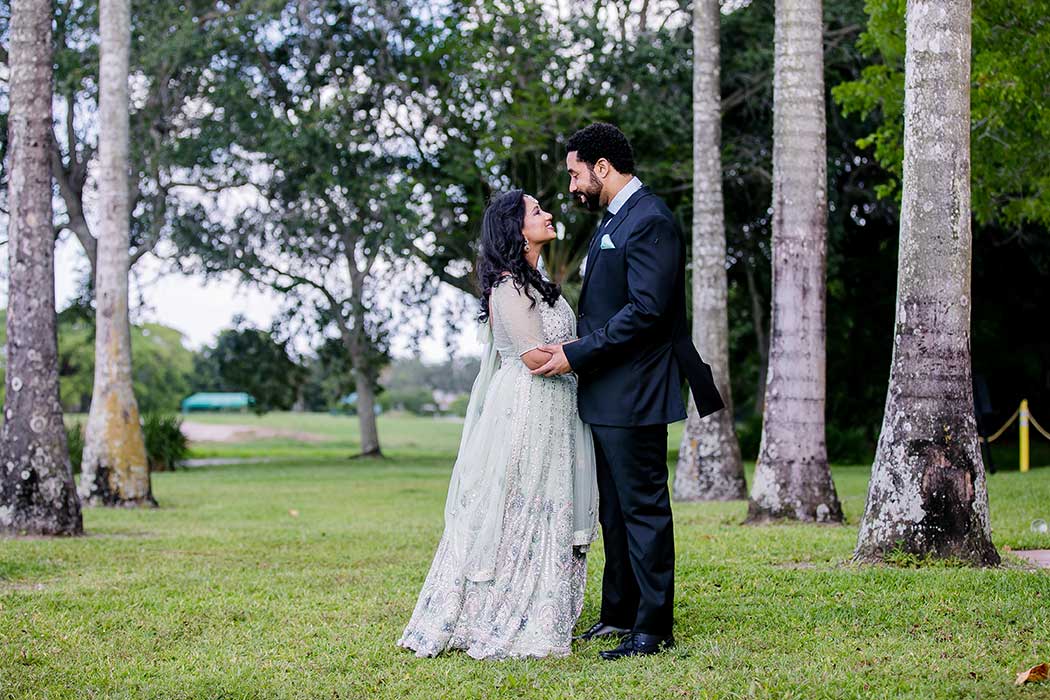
[
  {"x": 166, "y": 446},
  {"x": 849, "y": 445},
  {"x": 416, "y": 401},
  {"x": 458, "y": 407}
]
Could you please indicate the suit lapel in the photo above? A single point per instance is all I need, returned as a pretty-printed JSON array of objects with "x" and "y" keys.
[{"x": 610, "y": 228}]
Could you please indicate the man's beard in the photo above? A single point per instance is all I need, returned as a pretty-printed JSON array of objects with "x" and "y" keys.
[{"x": 591, "y": 199}]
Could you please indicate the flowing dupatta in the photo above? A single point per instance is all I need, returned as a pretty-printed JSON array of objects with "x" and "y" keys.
[{"x": 476, "y": 493}]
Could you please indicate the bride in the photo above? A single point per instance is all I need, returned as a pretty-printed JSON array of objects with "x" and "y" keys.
[{"x": 508, "y": 576}]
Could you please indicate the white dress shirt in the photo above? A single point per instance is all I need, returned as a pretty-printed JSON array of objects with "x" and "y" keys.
[{"x": 632, "y": 186}]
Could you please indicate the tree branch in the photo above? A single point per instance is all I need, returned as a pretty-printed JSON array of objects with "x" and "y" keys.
[
  {"x": 832, "y": 38},
  {"x": 71, "y": 138},
  {"x": 745, "y": 93},
  {"x": 71, "y": 197},
  {"x": 298, "y": 280},
  {"x": 842, "y": 32},
  {"x": 150, "y": 241},
  {"x": 211, "y": 187}
]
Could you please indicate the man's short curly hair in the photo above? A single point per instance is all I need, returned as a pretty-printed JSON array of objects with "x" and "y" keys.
[{"x": 601, "y": 140}]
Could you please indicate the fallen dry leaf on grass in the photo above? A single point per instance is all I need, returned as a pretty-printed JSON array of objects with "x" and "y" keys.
[{"x": 1034, "y": 674}]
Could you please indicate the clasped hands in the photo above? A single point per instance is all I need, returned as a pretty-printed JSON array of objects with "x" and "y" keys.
[{"x": 556, "y": 365}]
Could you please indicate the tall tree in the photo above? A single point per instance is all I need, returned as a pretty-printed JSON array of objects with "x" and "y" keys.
[
  {"x": 37, "y": 493},
  {"x": 336, "y": 211},
  {"x": 325, "y": 244},
  {"x": 927, "y": 493},
  {"x": 176, "y": 131},
  {"x": 709, "y": 465},
  {"x": 114, "y": 470},
  {"x": 792, "y": 478}
]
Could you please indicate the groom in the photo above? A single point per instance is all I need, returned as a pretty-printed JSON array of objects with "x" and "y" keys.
[{"x": 633, "y": 351}]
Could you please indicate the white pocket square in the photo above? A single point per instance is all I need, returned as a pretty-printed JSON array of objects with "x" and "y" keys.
[{"x": 607, "y": 242}]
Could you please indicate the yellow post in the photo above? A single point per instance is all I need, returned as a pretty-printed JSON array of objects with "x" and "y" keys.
[{"x": 1024, "y": 434}]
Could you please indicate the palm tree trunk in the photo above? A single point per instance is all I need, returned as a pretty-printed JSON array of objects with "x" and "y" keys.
[
  {"x": 927, "y": 494},
  {"x": 114, "y": 470},
  {"x": 37, "y": 492},
  {"x": 792, "y": 478},
  {"x": 709, "y": 466}
]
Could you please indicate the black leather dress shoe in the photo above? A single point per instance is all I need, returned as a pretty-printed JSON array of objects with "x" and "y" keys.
[
  {"x": 638, "y": 644},
  {"x": 600, "y": 629}
]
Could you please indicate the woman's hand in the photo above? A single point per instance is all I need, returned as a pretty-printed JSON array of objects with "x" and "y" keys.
[
  {"x": 556, "y": 364},
  {"x": 536, "y": 358}
]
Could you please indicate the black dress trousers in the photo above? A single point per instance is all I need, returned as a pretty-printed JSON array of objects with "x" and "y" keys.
[{"x": 634, "y": 508}]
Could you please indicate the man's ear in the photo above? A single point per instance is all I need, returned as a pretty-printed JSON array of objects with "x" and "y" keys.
[{"x": 602, "y": 168}]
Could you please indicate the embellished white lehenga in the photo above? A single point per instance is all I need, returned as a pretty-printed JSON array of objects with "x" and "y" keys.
[{"x": 509, "y": 573}]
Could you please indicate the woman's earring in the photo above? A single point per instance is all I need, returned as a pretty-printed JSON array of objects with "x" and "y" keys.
[{"x": 527, "y": 246}]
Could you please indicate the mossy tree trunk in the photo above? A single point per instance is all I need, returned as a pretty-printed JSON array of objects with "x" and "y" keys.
[{"x": 114, "y": 471}]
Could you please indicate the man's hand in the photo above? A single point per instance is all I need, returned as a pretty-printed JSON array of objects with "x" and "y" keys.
[{"x": 558, "y": 364}]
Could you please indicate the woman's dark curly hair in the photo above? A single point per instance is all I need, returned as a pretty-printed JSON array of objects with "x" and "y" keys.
[{"x": 502, "y": 250}]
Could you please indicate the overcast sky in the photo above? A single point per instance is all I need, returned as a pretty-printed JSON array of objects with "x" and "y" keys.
[{"x": 201, "y": 308}]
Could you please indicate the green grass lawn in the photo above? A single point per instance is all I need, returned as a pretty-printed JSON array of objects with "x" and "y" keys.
[{"x": 294, "y": 578}]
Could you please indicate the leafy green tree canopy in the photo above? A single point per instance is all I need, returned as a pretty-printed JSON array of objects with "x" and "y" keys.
[{"x": 1010, "y": 121}]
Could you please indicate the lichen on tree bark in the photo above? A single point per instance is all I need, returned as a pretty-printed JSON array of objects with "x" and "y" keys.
[
  {"x": 928, "y": 494},
  {"x": 37, "y": 493}
]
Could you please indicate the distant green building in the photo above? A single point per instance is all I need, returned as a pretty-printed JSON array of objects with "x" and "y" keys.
[
  {"x": 218, "y": 401},
  {"x": 348, "y": 404}
]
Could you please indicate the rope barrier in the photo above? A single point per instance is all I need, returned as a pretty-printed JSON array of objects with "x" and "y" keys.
[
  {"x": 1025, "y": 419},
  {"x": 999, "y": 433},
  {"x": 1038, "y": 427}
]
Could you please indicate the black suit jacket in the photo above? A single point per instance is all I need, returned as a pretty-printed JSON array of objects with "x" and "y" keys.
[{"x": 635, "y": 344}]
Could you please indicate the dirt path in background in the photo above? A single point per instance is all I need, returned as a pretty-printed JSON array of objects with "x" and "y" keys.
[{"x": 209, "y": 432}]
